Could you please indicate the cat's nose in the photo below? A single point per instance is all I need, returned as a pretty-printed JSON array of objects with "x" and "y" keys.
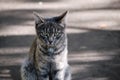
[{"x": 50, "y": 40}]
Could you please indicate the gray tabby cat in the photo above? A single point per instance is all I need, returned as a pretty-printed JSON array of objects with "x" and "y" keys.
[{"x": 47, "y": 59}]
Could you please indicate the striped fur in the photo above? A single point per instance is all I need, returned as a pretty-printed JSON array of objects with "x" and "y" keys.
[{"x": 47, "y": 59}]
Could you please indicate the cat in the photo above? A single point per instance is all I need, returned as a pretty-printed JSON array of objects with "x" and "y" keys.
[{"x": 47, "y": 59}]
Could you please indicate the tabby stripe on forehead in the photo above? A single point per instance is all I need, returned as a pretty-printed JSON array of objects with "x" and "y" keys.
[
  {"x": 45, "y": 30},
  {"x": 55, "y": 29},
  {"x": 48, "y": 29}
]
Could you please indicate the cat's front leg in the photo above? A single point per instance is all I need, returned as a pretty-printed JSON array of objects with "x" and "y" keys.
[
  {"x": 64, "y": 74},
  {"x": 28, "y": 72},
  {"x": 59, "y": 75},
  {"x": 67, "y": 73},
  {"x": 43, "y": 78},
  {"x": 43, "y": 75}
]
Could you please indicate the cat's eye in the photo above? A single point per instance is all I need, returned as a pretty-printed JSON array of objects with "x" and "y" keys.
[
  {"x": 56, "y": 34},
  {"x": 44, "y": 34}
]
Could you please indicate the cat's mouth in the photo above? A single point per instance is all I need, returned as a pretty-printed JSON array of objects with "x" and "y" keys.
[{"x": 50, "y": 50}]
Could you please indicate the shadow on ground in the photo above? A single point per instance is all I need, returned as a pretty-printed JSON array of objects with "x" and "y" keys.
[
  {"x": 100, "y": 41},
  {"x": 10, "y": 72}
]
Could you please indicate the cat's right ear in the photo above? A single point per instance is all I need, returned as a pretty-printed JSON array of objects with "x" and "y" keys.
[{"x": 38, "y": 19}]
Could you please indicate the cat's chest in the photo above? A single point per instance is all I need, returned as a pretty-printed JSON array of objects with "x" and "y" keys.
[
  {"x": 52, "y": 63},
  {"x": 48, "y": 67},
  {"x": 55, "y": 62}
]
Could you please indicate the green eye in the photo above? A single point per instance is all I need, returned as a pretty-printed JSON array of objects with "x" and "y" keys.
[
  {"x": 57, "y": 34},
  {"x": 45, "y": 34}
]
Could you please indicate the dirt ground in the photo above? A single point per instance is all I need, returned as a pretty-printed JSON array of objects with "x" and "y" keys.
[{"x": 93, "y": 36}]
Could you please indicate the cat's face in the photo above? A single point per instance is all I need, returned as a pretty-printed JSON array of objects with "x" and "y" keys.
[{"x": 50, "y": 31}]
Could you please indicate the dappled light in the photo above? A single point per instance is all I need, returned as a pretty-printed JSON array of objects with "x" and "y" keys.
[{"x": 93, "y": 36}]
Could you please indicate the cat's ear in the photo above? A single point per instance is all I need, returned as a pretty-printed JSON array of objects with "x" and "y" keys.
[
  {"x": 38, "y": 19},
  {"x": 61, "y": 18}
]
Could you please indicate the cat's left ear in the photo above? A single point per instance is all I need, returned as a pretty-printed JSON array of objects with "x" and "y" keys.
[
  {"x": 38, "y": 19},
  {"x": 61, "y": 18}
]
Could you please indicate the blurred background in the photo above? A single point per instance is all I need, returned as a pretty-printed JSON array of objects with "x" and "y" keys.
[{"x": 93, "y": 36}]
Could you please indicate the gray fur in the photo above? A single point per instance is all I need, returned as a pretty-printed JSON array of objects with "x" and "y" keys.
[{"x": 47, "y": 59}]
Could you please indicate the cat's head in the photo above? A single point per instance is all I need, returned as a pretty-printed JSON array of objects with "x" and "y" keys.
[{"x": 51, "y": 30}]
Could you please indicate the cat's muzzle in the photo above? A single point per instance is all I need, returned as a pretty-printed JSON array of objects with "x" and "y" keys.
[{"x": 50, "y": 51}]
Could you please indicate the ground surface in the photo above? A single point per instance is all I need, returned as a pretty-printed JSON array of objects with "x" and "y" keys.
[{"x": 93, "y": 34}]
